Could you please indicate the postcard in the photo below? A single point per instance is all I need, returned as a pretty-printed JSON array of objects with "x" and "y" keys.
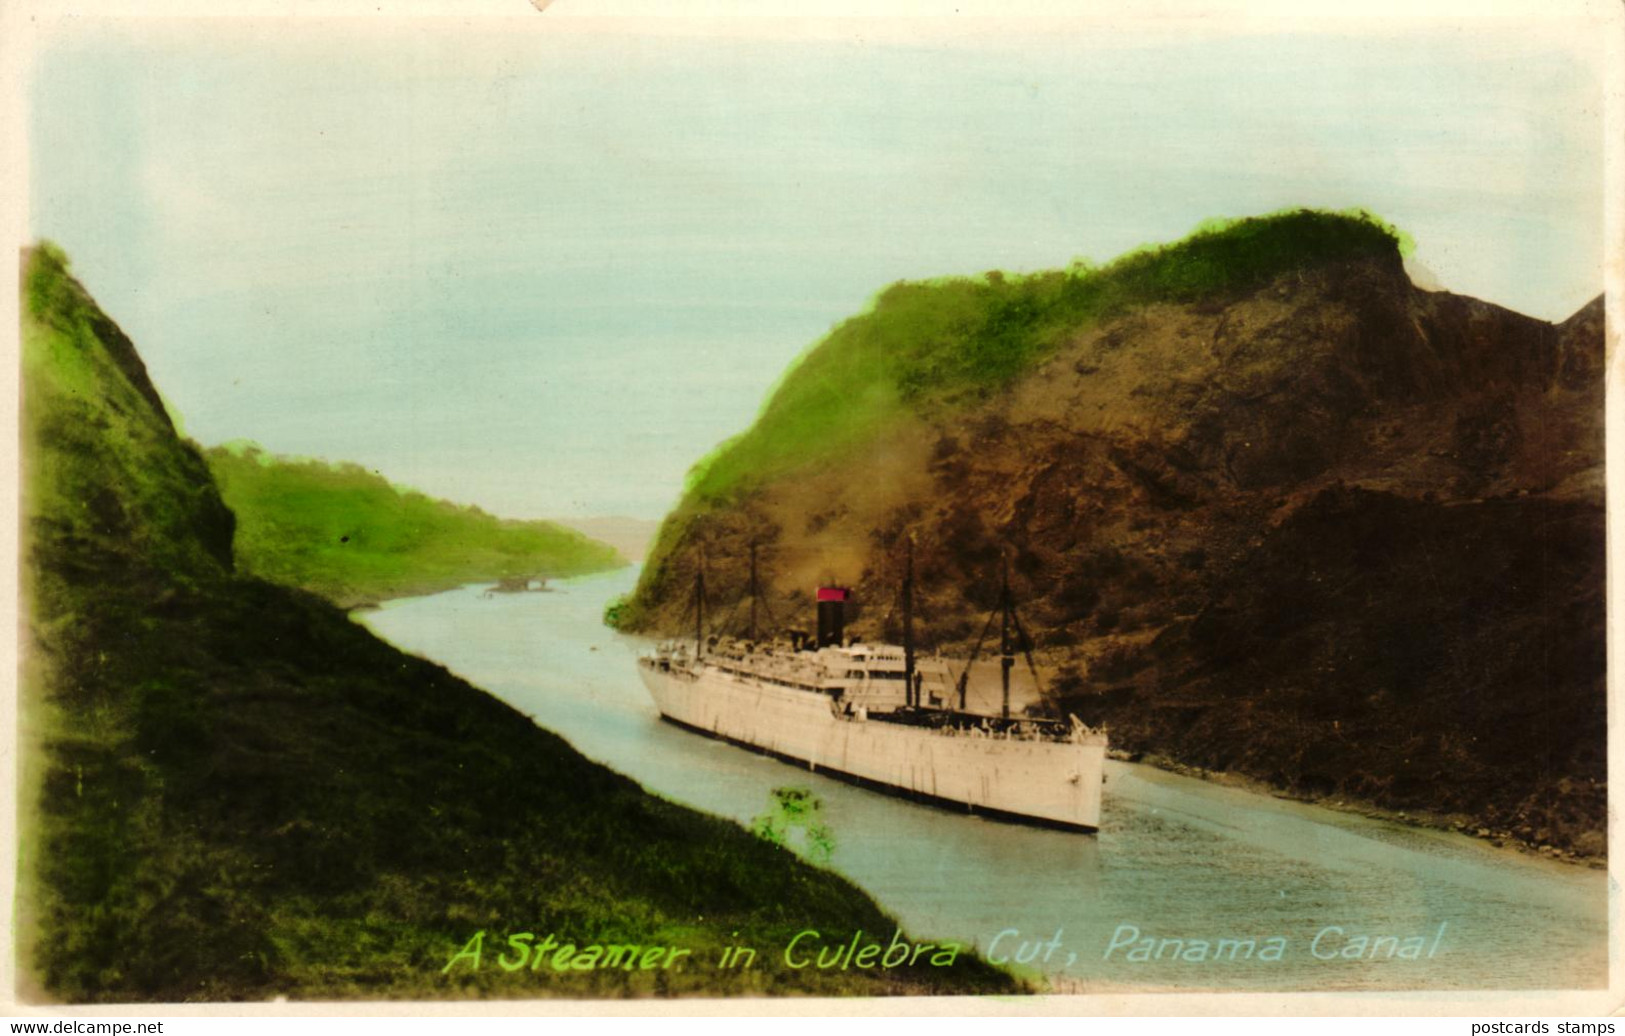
[{"x": 1058, "y": 510}]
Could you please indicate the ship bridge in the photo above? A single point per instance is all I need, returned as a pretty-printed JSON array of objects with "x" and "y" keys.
[{"x": 872, "y": 676}]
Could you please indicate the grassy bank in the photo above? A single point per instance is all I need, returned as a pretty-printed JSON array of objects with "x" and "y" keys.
[
  {"x": 232, "y": 792},
  {"x": 347, "y": 534}
]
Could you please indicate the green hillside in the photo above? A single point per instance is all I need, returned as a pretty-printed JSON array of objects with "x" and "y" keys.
[
  {"x": 230, "y": 791},
  {"x": 349, "y": 535},
  {"x": 926, "y": 346}
]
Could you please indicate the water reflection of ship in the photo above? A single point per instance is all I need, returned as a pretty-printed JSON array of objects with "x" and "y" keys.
[{"x": 880, "y": 715}]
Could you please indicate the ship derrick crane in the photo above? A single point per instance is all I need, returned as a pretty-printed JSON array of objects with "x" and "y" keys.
[{"x": 1009, "y": 622}]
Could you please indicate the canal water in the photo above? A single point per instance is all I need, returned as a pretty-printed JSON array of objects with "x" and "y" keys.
[{"x": 1188, "y": 885}]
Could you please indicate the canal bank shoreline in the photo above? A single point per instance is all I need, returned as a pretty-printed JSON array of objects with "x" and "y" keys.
[{"x": 1457, "y": 823}]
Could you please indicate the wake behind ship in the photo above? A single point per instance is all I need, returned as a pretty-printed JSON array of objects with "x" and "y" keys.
[{"x": 878, "y": 716}]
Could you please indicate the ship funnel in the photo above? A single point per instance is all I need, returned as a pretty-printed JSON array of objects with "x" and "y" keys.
[{"x": 832, "y": 615}]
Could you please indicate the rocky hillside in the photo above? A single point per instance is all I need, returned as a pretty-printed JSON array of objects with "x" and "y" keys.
[
  {"x": 1268, "y": 506},
  {"x": 231, "y": 791}
]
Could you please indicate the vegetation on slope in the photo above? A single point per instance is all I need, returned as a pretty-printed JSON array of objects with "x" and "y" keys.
[
  {"x": 346, "y": 533},
  {"x": 923, "y": 347},
  {"x": 231, "y": 791}
]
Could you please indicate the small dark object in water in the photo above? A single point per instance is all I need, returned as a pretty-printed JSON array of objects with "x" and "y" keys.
[{"x": 518, "y": 585}]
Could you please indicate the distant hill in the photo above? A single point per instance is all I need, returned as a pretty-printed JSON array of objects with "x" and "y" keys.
[
  {"x": 348, "y": 534},
  {"x": 231, "y": 791},
  {"x": 1268, "y": 506},
  {"x": 632, "y": 537}
]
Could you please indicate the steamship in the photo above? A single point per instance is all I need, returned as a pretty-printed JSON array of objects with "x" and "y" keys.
[{"x": 881, "y": 717}]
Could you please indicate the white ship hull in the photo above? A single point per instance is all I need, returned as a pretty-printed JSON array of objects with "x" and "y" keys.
[{"x": 1046, "y": 782}]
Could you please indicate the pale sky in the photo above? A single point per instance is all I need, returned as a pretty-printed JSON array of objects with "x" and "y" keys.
[{"x": 544, "y": 266}]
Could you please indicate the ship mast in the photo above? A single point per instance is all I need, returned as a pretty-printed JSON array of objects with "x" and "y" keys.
[
  {"x": 699, "y": 610},
  {"x": 1007, "y": 659},
  {"x": 911, "y": 693},
  {"x": 753, "y": 592}
]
